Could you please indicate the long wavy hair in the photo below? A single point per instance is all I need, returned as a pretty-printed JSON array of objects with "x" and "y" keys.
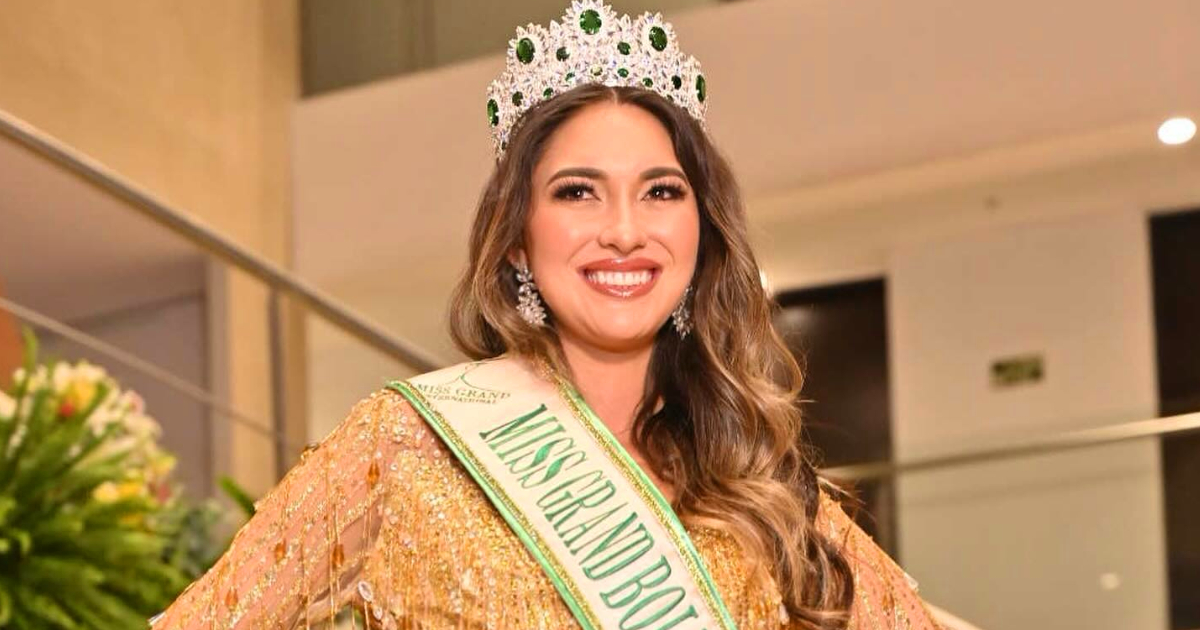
[{"x": 728, "y": 433}]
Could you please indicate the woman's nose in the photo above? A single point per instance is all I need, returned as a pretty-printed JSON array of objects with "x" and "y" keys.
[{"x": 623, "y": 230}]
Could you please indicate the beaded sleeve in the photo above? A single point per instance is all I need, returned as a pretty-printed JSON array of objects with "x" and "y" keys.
[
  {"x": 884, "y": 595},
  {"x": 294, "y": 562}
]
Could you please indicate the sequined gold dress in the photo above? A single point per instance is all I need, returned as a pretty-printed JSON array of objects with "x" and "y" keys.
[{"x": 382, "y": 518}]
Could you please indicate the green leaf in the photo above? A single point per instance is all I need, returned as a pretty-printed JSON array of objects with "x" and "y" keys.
[
  {"x": 34, "y": 428},
  {"x": 5, "y": 605},
  {"x": 50, "y": 531},
  {"x": 110, "y": 607},
  {"x": 43, "y": 607},
  {"x": 68, "y": 573},
  {"x": 87, "y": 617},
  {"x": 21, "y": 537},
  {"x": 82, "y": 481},
  {"x": 31, "y": 349},
  {"x": 239, "y": 496},
  {"x": 7, "y": 505},
  {"x": 37, "y": 467}
]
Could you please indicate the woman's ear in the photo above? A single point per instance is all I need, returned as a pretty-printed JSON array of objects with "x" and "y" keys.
[{"x": 517, "y": 258}]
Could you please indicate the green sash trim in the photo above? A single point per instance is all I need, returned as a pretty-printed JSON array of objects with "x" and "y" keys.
[
  {"x": 657, "y": 503},
  {"x": 513, "y": 433},
  {"x": 508, "y": 509}
]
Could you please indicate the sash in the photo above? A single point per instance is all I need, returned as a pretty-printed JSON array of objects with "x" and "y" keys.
[{"x": 601, "y": 530}]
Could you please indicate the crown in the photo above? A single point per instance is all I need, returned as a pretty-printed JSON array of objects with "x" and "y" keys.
[{"x": 592, "y": 45}]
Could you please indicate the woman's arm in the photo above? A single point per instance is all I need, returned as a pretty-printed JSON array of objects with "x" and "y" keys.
[
  {"x": 884, "y": 597},
  {"x": 298, "y": 556}
]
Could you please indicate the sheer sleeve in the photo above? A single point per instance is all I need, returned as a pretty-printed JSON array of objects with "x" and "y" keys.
[
  {"x": 294, "y": 562},
  {"x": 884, "y": 595}
]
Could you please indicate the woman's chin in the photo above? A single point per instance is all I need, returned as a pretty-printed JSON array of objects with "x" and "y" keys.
[{"x": 614, "y": 337}]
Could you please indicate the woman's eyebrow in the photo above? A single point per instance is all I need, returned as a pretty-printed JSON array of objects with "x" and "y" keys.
[
  {"x": 577, "y": 171},
  {"x": 662, "y": 171},
  {"x": 595, "y": 173}
]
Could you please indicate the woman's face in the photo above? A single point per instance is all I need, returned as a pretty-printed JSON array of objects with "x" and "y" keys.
[{"x": 613, "y": 229}]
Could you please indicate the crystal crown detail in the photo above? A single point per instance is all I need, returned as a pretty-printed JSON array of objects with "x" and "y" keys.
[{"x": 592, "y": 45}]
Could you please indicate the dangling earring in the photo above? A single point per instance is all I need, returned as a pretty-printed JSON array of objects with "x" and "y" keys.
[
  {"x": 681, "y": 317},
  {"x": 529, "y": 305}
]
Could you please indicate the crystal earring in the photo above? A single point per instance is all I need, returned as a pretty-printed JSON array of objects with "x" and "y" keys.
[
  {"x": 529, "y": 304},
  {"x": 681, "y": 317}
]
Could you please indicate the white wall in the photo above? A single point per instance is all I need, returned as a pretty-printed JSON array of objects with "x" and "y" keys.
[{"x": 1041, "y": 531}]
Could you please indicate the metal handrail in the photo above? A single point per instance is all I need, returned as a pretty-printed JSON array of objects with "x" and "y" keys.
[
  {"x": 146, "y": 368},
  {"x": 1098, "y": 436},
  {"x": 211, "y": 241}
]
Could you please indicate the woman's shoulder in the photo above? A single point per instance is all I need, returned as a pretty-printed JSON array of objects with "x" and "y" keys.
[
  {"x": 387, "y": 418},
  {"x": 393, "y": 412}
]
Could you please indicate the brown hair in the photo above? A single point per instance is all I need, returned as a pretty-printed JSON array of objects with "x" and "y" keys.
[{"x": 727, "y": 436}]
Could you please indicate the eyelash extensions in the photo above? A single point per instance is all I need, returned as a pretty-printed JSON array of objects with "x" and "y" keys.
[{"x": 573, "y": 191}]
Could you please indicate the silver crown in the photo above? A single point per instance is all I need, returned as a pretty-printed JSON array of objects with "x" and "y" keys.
[{"x": 592, "y": 45}]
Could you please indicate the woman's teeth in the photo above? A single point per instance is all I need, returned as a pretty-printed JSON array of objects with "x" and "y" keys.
[{"x": 620, "y": 278}]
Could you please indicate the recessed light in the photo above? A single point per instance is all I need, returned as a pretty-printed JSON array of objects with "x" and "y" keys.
[{"x": 1176, "y": 130}]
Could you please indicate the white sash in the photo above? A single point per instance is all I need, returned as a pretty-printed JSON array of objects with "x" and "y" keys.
[{"x": 601, "y": 530}]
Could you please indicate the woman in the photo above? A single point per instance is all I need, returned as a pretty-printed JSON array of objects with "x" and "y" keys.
[{"x": 625, "y": 452}]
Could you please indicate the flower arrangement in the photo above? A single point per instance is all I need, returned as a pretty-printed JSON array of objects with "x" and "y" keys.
[{"x": 93, "y": 533}]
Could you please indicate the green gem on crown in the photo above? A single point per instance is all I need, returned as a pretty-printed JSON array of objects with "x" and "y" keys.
[
  {"x": 525, "y": 50},
  {"x": 592, "y": 45},
  {"x": 658, "y": 38},
  {"x": 493, "y": 111},
  {"x": 590, "y": 22}
]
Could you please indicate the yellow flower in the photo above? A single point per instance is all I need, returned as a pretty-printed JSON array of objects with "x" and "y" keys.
[
  {"x": 129, "y": 489},
  {"x": 106, "y": 492},
  {"x": 160, "y": 466},
  {"x": 78, "y": 394}
]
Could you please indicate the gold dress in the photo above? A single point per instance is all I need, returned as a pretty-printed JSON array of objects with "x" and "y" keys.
[{"x": 381, "y": 517}]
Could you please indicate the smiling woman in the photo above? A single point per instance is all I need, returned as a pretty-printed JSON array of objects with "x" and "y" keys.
[
  {"x": 625, "y": 451},
  {"x": 613, "y": 227}
]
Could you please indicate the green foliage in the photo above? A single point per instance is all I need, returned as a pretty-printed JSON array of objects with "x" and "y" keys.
[
  {"x": 238, "y": 495},
  {"x": 91, "y": 534}
]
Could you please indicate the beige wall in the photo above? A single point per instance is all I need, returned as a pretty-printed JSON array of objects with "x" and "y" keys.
[{"x": 190, "y": 100}]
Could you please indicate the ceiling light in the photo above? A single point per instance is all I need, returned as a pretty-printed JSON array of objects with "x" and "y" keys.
[{"x": 1176, "y": 130}]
